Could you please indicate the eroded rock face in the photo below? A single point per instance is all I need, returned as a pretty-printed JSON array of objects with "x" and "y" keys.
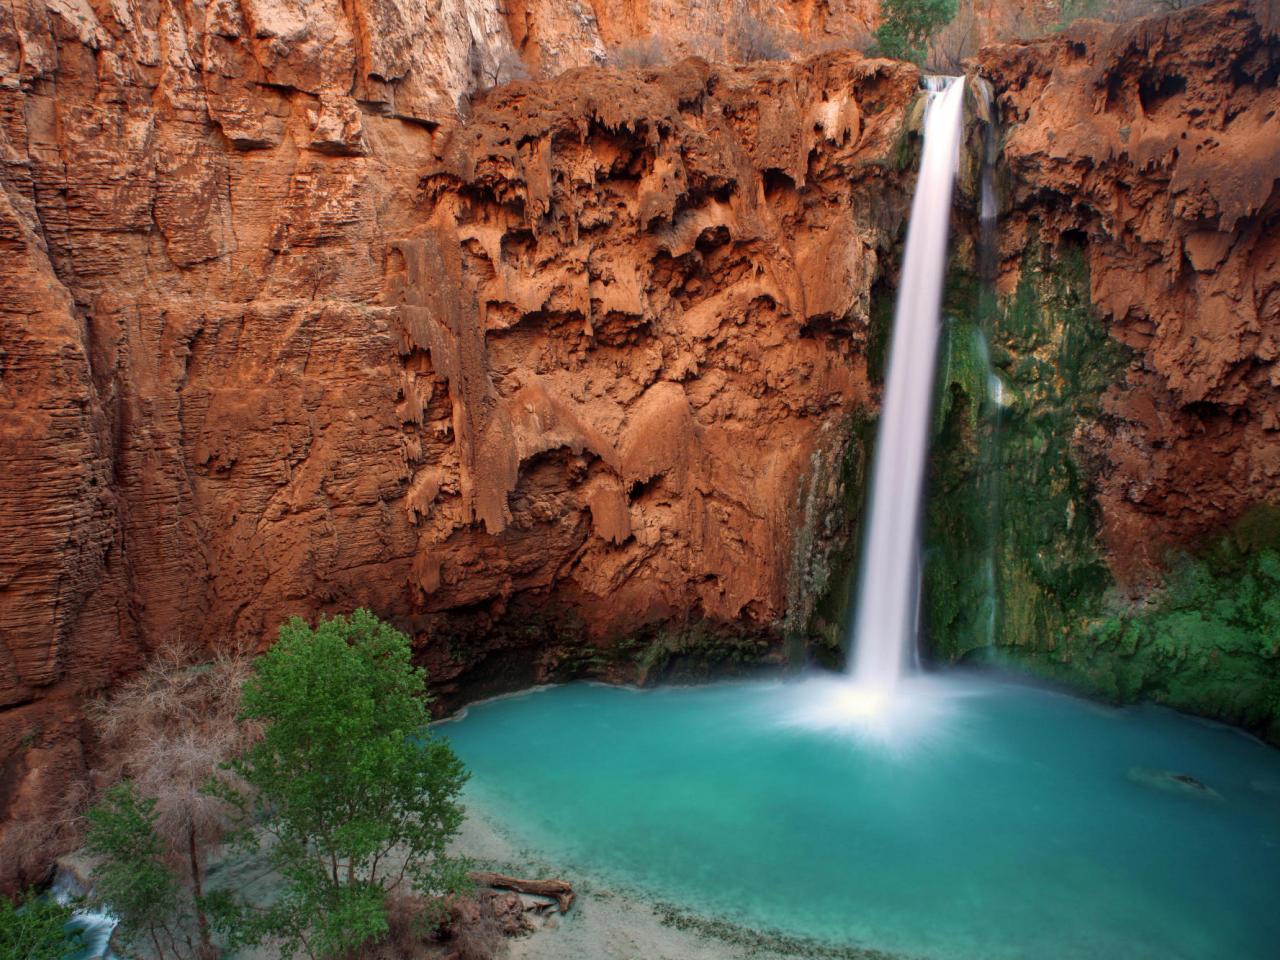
[
  {"x": 553, "y": 36},
  {"x": 280, "y": 334},
  {"x": 1157, "y": 145},
  {"x": 1135, "y": 340}
]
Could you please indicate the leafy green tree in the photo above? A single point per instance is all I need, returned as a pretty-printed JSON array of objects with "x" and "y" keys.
[
  {"x": 36, "y": 929},
  {"x": 353, "y": 794},
  {"x": 907, "y": 26},
  {"x": 169, "y": 729},
  {"x": 131, "y": 877}
]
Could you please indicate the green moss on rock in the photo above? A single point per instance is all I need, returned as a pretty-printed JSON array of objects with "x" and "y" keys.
[
  {"x": 1014, "y": 570},
  {"x": 821, "y": 596},
  {"x": 1011, "y": 530},
  {"x": 1207, "y": 641}
]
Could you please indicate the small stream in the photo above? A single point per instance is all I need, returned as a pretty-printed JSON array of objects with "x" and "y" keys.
[{"x": 95, "y": 926}]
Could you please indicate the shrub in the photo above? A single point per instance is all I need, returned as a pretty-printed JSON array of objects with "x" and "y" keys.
[
  {"x": 639, "y": 54},
  {"x": 483, "y": 938},
  {"x": 168, "y": 731},
  {"x": 353, "y": 792},
  {"x": 502, "y": 68},
  {"x": 131, "y": 877},
  {"x": 408, "y": 927},
  {"x": 36, "y": 929},
  {"x": 752, "y": 40},
  {"x": 907, "y": 27}
]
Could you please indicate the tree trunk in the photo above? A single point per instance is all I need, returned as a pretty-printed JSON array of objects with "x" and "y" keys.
[
  {"x": 197, "y": 887},
  {"x": 156, "y": 941},
  {"x": 559, "y": 889}
]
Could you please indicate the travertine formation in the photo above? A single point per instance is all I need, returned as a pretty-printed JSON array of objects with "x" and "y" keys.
[
  {"x": 297, "y": 315},
  {"x": 282, "y": 334},
  {"x": 1131, "y": 474},
  {"x": 1157, "y": 145}
]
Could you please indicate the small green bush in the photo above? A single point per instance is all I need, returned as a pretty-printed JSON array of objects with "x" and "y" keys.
[
  {"x": 131, "y": 878},
  {"x": 36, "y": 929}
]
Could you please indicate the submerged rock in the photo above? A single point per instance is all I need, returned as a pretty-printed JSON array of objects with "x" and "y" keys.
[
  {"x": 1173, "y": 782},
  {"x": 1267, "y": 786}
]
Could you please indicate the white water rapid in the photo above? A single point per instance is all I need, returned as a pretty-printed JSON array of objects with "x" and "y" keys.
[
  {"x": 95, "y": 926},
  {"x": 883, "y": 639}
]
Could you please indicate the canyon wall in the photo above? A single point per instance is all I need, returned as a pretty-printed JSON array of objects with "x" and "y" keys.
[
  {"x": 545, "y": 380},
  {"x": 553, "y": 36},
  {"x": 1136, "y": 451},
  {"x": 576, "y": 376}
]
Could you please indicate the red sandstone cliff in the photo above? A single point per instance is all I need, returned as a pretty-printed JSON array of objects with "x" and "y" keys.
[
  {"x": 1158, "y": 144},
  {"x": 280, "y": 335}
]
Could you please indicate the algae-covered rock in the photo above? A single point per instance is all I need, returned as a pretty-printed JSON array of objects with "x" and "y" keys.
[
  {"x": 1170, "y": 781},
  {"x": 1016, "y": 572}
]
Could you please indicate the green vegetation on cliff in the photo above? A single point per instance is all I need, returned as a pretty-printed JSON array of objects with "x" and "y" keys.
[
  {"x": 1209, "y": 640},
  {"x": 1011, "y": 518},
  {"x": 907, "y": 27},
  {"x": 1014, "y": 571}
]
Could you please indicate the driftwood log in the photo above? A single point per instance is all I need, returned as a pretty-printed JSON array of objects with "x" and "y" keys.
[{"x": 560, "y": 890}]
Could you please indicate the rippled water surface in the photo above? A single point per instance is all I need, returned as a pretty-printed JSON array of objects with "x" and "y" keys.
[{"x": 966, "y": 819}]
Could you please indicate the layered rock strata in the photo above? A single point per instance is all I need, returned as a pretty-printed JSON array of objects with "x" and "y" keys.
[{"x": 281, "y": 334}]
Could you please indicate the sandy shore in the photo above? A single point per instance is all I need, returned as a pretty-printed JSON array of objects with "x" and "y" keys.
[
  {"x": 604, "y": 924},
  {"x": 611, "y": 924}
]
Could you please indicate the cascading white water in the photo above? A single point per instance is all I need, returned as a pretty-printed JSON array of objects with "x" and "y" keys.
[
  {"x": 988, "y": 254},
  {"x": 95, "y": 926},
  {"x": 885, "y": 625}
]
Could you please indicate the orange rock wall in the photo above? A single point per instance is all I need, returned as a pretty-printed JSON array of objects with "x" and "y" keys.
[
  {"x": 280, "y": 334},
  {"x": 1157, "y": 143},
  {"x": 554, "y": 36}
]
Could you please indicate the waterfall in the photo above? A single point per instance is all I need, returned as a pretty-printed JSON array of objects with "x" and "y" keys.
[
  {"x": 885, "y": 625},
  {"x": 988, "y": 267},
  {"x": 95, "y": 926}
]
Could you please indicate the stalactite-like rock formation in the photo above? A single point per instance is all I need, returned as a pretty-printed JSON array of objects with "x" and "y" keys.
[
  {"x": 281, "y": 334},
  {"x": 1157, "y": 144}
]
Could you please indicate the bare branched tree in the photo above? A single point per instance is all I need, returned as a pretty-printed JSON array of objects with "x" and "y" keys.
[
  {"x": 955, "y": 42},
  {"x": 169, "y": 729},
  {"x": 490, "y": 70},
  {"x": 504, "y": 68},
  {"x": 641, "y": 53},
  {"x": 751, "y": 39}
]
